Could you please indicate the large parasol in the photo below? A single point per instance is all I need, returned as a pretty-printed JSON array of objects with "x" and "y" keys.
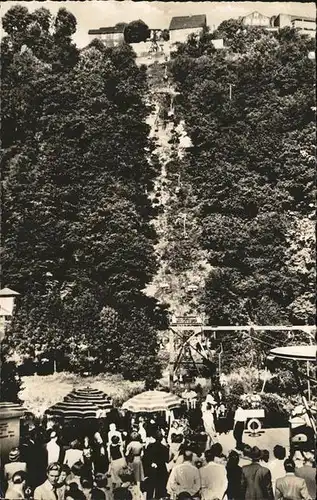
[
  {"x": 295, "y": 353},
  {"x": 98, "y": 398},
  {"x": 74, "y": 409},
  {"x": 152, "y": 401}
]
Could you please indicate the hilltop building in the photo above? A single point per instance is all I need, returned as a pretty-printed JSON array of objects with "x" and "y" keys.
[
  {"x": 306, "y": 25},
  {"x": 111, "y": 36},
  {"x": 182, "y": 26},
  {"x": 256, "y": 19}
]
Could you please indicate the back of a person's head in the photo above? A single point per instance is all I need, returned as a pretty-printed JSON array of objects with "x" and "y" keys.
[
  {"x": 74, "y": 493},
  {"x": 188, "y": 455},
  {"x": 86, "y": 483},
  {"x": 158, "y": 436},
  {"x": 97, "y": 494},
  {"x": 65, "y": 468},
  {"x": 101, "y": 480},
  {"x": 75, "y": 445},
  {"x": 216, "y": 449},
  {"x": 279, "y": 452},
  {"x": 77, "y": 468},
  {"x": 184, "y": 495},
  {"x": 18, "y": 477},
  {"x": 233, "y": 458},
  {"x": 135, "y": 436},
  {"x": 289, "y": 465},
  {"x": 247, "y": 450},
  {"x": 265, "y": 455},
  {"x": 115, "y": 440},
  {"x": 122, "y": 494},
  {"x": 209, "y": 455}
]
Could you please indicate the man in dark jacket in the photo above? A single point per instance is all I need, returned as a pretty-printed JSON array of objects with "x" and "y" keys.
[
  {"x": 256, "y": 479},
  {"x": 155, "y": 459}
]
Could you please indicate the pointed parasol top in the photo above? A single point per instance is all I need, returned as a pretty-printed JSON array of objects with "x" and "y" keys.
[{"x": 7, "y": 292}]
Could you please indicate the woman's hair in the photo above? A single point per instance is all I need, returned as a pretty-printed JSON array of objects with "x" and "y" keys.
[
  {"x": 101, "y": 480},
  {"x": 115, "y": 439},
  {"x": 86, "y": 483},
  {"x": 184, "y": 495},
  {"x": 135, "y": 436},
  {"x": 75, "y": 445},
  {"x": 217, "y": 449},
  {"x": 77, "y": 468},
  {"x": 18, "y": 477},
  {"x": 65, "y": 468},
  {"x": 265, "y": 455},
  {"x": 233, "y": 458}
]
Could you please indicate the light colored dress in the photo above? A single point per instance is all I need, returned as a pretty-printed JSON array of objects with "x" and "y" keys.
[{"x": 135, "y": 448}]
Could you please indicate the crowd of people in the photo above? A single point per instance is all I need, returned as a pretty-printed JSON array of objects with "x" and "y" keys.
[{"x": 147, "y": 457}]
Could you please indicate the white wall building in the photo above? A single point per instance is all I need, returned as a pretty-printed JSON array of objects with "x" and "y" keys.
[{"x": 183, "y": 26}]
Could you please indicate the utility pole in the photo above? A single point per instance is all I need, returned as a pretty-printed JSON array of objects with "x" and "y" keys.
[
  {"x": 230, "y": 90},
  {"x": 171, "y": 360},
  {"x": 184, "y": 216}
]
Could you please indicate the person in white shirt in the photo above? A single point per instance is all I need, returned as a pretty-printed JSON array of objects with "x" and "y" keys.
[
  {"x": 184, "y": 477},
  {"x": 239, "y": 425},
  {"x": 49, "y": 489},
  {"x": 213, "y": 477},
  {"x": 276, "y": 466},
  {"x": 113, "y": 432},
  {"x": 74, "y": 454},
  {"x": 53, "y": 449}
]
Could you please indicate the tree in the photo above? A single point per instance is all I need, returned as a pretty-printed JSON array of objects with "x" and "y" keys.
[
  {"x": 250, "y": 170},
  {"x": 77, "y": 172},
  {"x": 136, "y": 31}
]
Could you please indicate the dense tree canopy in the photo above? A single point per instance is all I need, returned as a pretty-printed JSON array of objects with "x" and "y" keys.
[
  {"x": 136, "y": 31},
  {"x": 249, "y": 111},
  {"x": 77, "y": 239}
]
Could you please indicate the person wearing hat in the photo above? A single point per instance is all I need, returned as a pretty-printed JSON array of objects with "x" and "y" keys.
[
  {"x": 256, "y": 481},
  {"x": 14, "y": 465}
]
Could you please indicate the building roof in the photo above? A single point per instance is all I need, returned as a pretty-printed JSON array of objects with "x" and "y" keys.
[
  {"x": 119, "y": 28},
  {"x": 255, "y": 12},
  {"x": 185, "y": 22},
  {"x": 303, "y": 18}
]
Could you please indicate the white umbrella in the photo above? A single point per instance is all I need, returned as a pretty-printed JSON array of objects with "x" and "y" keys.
[{"x": 152, "y": 401}]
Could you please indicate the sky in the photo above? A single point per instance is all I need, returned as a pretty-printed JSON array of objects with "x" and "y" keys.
[{"x": 97, "y": 13}]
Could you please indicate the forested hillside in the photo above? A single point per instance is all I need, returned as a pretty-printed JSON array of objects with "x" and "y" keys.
[
  {"x": 249, "y": 110},
  {"x": 77, "y": 239}
]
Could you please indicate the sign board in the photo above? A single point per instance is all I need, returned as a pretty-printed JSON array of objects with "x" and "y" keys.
[{"x": 187, "y": 321}]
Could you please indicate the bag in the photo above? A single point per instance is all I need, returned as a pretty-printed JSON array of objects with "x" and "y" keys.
[{"x": 130, "y": 457}]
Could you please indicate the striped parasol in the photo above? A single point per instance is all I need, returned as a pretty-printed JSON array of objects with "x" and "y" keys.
[
  {"x": 74, "y": 409},
  {"x": 98, "y": 398},
  {"x": 151, "y": 401}
]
